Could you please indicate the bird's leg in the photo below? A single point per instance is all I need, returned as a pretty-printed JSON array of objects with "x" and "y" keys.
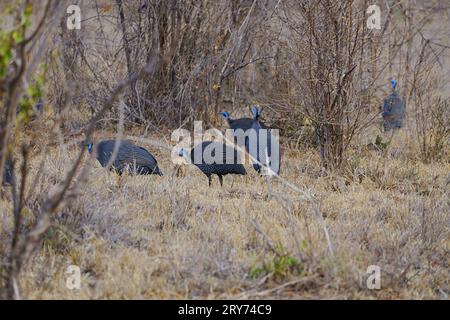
[
  {"x": 269, "y": 186},
  {"x": 221, "y": 180},
  {"x": 119, "y": 181}
]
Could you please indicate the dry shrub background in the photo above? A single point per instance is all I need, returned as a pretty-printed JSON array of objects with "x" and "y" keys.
[{"x": 383, "y": 198}]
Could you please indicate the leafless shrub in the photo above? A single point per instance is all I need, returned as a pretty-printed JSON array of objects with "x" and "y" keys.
[
  {"x": 26, "y": 240},
  {"x": 431, "y": 112}
]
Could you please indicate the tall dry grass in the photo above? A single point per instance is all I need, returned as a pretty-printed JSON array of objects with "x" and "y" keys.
[{"x": 174, "y": 237}]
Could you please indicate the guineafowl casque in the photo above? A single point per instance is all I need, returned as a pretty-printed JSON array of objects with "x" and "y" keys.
[
  {"x": 259, "y": 146},
  {"x": 206, "y": 154},
  {"x": 393, "y": 109},
  {"x": 129, "y": 156}
]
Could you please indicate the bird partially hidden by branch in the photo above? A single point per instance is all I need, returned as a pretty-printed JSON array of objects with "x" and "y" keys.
[
  {"x": 128, "y": 157},
  {"x": 213, "y": 157}
]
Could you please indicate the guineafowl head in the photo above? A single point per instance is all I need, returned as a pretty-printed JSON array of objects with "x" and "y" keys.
[
  {"x": 394, "y": 84},
  {"x": 225, "y": 114},
  {"x": 256, "y": 112},
  {"x": 182, "y": 152},
  {"x": 90, "y": 147},
  {"x": 89, "y": 144},
  {"x": 158, "y": 171}
]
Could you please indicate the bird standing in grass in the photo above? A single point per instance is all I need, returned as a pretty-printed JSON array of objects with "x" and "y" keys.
[
  {"x": 213, "y": 157},
  {"x": 129, "y": 156},
  {"x": 393, "y": 109}
]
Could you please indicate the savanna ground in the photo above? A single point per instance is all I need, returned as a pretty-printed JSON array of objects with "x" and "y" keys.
[{"x": 174, "y": 237}]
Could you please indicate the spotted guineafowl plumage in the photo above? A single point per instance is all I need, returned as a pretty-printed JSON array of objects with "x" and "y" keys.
[
  {"x": 131, "y": 157},
  {"x": 393, "y": 109},
  {"x": 211, "y": 158}
]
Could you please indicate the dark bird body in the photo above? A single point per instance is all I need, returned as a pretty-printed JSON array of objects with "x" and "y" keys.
[
  {"x": 241, "y": 123},
  {"x": 129, "y": 157},
  {"x": 211, "y": 164}
]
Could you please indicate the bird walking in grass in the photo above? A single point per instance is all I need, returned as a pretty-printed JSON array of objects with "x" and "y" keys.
[
  {"x": 393, "y": 109},
  {"x": 213, "y": 157},
  {"x": 129, "y": 157}
]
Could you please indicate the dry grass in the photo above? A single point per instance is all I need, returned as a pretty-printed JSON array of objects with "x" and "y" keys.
[{"x": 173, "y": 237}]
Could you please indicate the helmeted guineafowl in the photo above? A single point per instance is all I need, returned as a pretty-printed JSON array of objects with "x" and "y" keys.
[
  {"x": 262, "y": 145},
  {"x": 393, "y": 109},
  {"x": 129, "y": 157},
  {"x": 211, "y": 158}
]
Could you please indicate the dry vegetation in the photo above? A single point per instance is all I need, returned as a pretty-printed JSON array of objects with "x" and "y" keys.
[
  {"x": 350, "y": 195},
  {"x": 173, "y": 237}
]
